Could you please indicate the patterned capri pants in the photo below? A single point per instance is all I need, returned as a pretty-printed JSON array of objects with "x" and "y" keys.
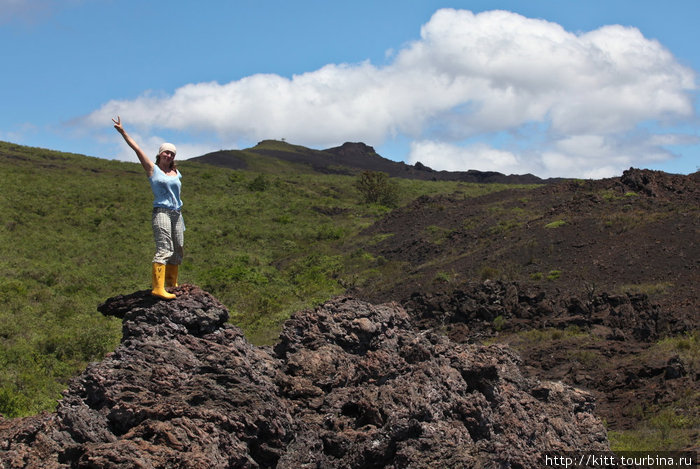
[{"x": 169, "y": 233}]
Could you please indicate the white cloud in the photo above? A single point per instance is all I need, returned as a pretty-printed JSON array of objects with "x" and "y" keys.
[
  {"x": 445, "y": 156},
  {"x": 583, "y": 156},
  {"x": 516, "y": 70},
  {"x": 468, "y": 75}
]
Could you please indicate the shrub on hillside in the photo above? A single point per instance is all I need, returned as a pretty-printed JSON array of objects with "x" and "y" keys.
[
  {"x": 376, "y": 187},
  {"x": 258, "y": 184}
]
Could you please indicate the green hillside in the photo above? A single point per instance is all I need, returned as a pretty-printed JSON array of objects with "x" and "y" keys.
[{"x": 75, "y": 230}]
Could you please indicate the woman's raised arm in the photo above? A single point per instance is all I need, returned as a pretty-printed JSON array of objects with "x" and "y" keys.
[{"x": 143, "y": 158}]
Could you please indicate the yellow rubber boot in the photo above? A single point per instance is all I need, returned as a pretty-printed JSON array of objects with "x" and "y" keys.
[
  {"x": 171, "y": 275},
  {"x": 159, "y": 281}
]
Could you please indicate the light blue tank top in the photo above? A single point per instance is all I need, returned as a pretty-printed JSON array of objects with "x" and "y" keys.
[{"x": 166, "y": 189}]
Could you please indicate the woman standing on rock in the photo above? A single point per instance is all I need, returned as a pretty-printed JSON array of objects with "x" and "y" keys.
[{"x": 168, "y": 225}]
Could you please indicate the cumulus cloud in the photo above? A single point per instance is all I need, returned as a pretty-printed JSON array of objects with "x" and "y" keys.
[
  {"x": 573, "y": 102},
  {"x": 451, "y": 157}
]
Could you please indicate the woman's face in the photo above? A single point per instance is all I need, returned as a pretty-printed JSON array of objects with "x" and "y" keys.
[{"x": 167, "y": 156}]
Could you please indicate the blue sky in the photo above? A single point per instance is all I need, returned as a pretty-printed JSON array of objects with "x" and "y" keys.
[{"x": 549, "y": 87}]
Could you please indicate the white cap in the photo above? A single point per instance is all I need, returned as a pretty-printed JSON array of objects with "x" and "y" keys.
[{"x": 167, "y": 147}]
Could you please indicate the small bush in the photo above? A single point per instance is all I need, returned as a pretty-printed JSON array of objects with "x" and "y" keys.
[
  {"x": 553, "y": 275},
  {"x": 499, "y": 323},
  {"x": 259, "y": 184},
  {"x": 376, "y": 187}
]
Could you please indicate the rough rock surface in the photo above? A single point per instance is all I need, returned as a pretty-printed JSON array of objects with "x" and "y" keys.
[
  {"x": 349, "y": 384},
  {"x": 600, "y": 342},
  {"x": 471, "y": 312}
]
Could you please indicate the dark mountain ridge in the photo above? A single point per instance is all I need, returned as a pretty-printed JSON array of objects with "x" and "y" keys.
[{"x": 351, "y": 158}]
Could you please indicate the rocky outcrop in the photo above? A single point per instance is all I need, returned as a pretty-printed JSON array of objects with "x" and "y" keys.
[
  {"x": 182, "y": 390},
  {"x": 349, "y": 384},
  {"x": 658, "y": 183}
]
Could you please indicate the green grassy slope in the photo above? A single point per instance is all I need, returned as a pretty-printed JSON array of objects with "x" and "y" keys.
[{"x": 75, "y": 230}]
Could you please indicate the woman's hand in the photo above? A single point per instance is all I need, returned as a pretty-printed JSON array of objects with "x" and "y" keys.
[{"x": 118, "y": 125}]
